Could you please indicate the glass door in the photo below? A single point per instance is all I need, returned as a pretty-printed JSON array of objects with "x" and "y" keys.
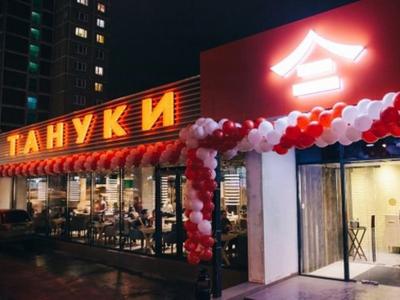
[
  {"x": 170, "y": 211},
  {"x": 373, "y": 216}
]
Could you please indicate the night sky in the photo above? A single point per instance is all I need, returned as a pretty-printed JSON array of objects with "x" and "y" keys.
[{"x": 158, "y": 41}]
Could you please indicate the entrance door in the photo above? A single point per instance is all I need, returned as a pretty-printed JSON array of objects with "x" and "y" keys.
[
  {"x": 373, "y": 208},
  {"x": 170, "y": 234}
]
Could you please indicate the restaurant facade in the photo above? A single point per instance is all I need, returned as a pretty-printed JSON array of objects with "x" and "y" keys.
[{"x": 293, "y": 132}]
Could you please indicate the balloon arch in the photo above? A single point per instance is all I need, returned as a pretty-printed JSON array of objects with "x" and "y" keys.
[
  {"x": 200, "y": 143},
  {"x": 368, "y": 120}
]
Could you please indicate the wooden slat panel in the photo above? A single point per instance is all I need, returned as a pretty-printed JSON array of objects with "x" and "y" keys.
[{"x": 187, "y": 110}]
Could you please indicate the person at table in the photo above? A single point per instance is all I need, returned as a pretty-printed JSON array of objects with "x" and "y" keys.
[
  {"x": 100, "y": 207},
  {"x": 226, "y": 225},
  {"x": 137, "y": 204}
]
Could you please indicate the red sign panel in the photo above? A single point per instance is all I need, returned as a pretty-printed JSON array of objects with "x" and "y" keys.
[{"x": 345, "y": 54}]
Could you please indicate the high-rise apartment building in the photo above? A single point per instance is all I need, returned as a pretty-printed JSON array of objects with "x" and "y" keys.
[{"x": 53, "y": 58}]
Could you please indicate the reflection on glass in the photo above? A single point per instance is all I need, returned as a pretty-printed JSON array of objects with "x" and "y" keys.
[
  {"x": 37, "y": 203},
  {"x": 234, "y": 213},
  {"x": 321, "y": 220},
  {"x": 138, "y": 212},
  {"x": 78, "y": 222},
  {"x": 106, "y": 210},
  {"x": 57, "y": 194}
]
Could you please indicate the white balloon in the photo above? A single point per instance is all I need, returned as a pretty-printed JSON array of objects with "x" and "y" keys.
[
  {"x": 265, "y": 146},
  {"x": 210, "y": 163},
  {"x": 344, "y": 141},
  {"x": 202, "y": 153},
  {"x": 349, "y": 113},
  {"x": 199, "y": 133},
  {"x": 257, "y": 148},
  {"x": 273, "y": 137},
  {"x": 281, "y": 124},
  {"x": 353, "y": 134},
  {"x": 230, "y": 154},
  {"x": 329, "y": 137},
  {"x": 338, "y": 126},
  {"x": 213, "y": 174},
  {"x": 362, "y": 123},
  {"x": 204, "y": 227},
  {"x": 388, "y": 99},
  {"x": 196, "y": 217},
  {"x": 265, "y": 127},
  {"x": 321, "y": 143},
  {"x": 192, "y": 143},
  {"x": 200, "y": 121},
  {"x": 362, "y": 106},
  {"x": 254, "y": 137},
  {"x": 221, "y": 122},
  {"x": 244, "y": 145},
  {"x": 374, "y": 109},
  {"x": 196, "y": 205},
  {"x": 210, "y": 127},
  {"x": 292, "y": 117}
]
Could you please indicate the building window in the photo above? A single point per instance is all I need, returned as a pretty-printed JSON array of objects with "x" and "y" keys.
[
  {"x": 35, "y": 34},
  {"x": 100, "y": 38},
  {"x": 80, "y": 83},
  {"x": 33, "y": 52},
  {"x": 100, "y": 23},
  {"x": 83, "y": 2},
  {"x": 33, "y": 67},
  {"x": 98, "y": 87},
  {"x": 81, "y": 32},
  {"x": 83, "y": 17},
  {"x": 100, "y": 54},
  {"x": 80, "y": 100},
  {"x": 99, "y": 70},
  {"x": 31, "y": 103},
  {"x": 80, "y": 66},
  {"x": 101, "y": 7},
  {"x": 81, "y": 49},
  {"x": 35, "y": 18}
]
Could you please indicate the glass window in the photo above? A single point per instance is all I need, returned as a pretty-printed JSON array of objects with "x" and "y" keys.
[
  {"x": 100, "y": 23},
  {"x": 106, "y": 210},
  {"x": 99, "y": 70},
  {"x": 57, "y": 194},
  {"x": 32, "y": 103},
  {"x": 33, "y": 67},
  {"x": 83, "y": 17},
  {"x": 80, "y": 83},
  {"x": 98, "y": 87},
  {"x": 35, "y": 18},
  {"x": 81, "y": 49},
  {"x": 100, "y": 38},
  {"x": 138, "y": 210},
  {"x": 83, "y": 2},
  {"x": 79, "y": 208},
  {"x": 81, "y": 32},
  {"x": 100, "y": 54},
  {"x": 101, "y": 7},
  {"x": 80, "y": 66},
  {"x": 35, "y": 33},
  {"x": 80, "y": 100},
  {"x": 33, "y": 52},
  {"x": 37, "y": 203}
]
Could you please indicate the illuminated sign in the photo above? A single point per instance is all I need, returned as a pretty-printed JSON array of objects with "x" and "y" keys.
[
  {"x": 320, "y": 74},
  {"x": 112, "y": 122}
]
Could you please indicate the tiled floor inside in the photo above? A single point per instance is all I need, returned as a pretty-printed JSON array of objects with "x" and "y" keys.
[{"x": 307, "y": 288}]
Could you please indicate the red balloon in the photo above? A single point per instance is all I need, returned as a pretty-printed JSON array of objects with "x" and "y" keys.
[
  {"x": 206, "y": 254},
  {"x": 287, "y": 142},
  {"x": 190, "y": 226},
  {"x": 396, "y": 102},
  {"x": 207, "y": 216},
  {"x": 190, "y": 245},
  {"x": 193, "y": 259},
  {"x": 390, "y": 115},
  {"x": 293, "y": 132},
  {"x": 280, "y": 150},
  {"x": 314, "y": 129},
  {"x": 379, "y": 129},
  {"x": 258, "y": 122},
  {"x": 208, "y": 206},
  {"x": 306, "y": 140},
  {"x": 369, "y": 137},
  {"x": 205, "y": 195},
  {"x": 207, "y": 241},
  {"x": 325, "y": 118},
  {"x": 302, "y": 121},
  {"x": 248, "y": 125},
  {"x": 394, "y": 129},
  {"x": 337, "y": 109},
  {"x": 228, "y": 127},
  {"x": 315, "y": 112}
]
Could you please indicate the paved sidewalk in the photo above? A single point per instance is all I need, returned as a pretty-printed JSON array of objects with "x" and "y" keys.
[{"x": 306, "y": 288}]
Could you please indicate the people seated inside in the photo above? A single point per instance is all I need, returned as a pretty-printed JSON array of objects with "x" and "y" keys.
[{"x": 226, "y": 225}]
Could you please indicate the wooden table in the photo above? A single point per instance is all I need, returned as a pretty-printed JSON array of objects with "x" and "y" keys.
[
  {"x": 148, "y": 233},
  {"x": 356, "y": 235}
]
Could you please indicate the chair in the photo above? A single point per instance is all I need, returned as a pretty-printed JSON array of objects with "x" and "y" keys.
[
  {"x": 110, "y": 233},
  {"x": 136, "y": 234},
  {"x": 79, "y": 224},
  {"x": 170, "y": 238}
]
